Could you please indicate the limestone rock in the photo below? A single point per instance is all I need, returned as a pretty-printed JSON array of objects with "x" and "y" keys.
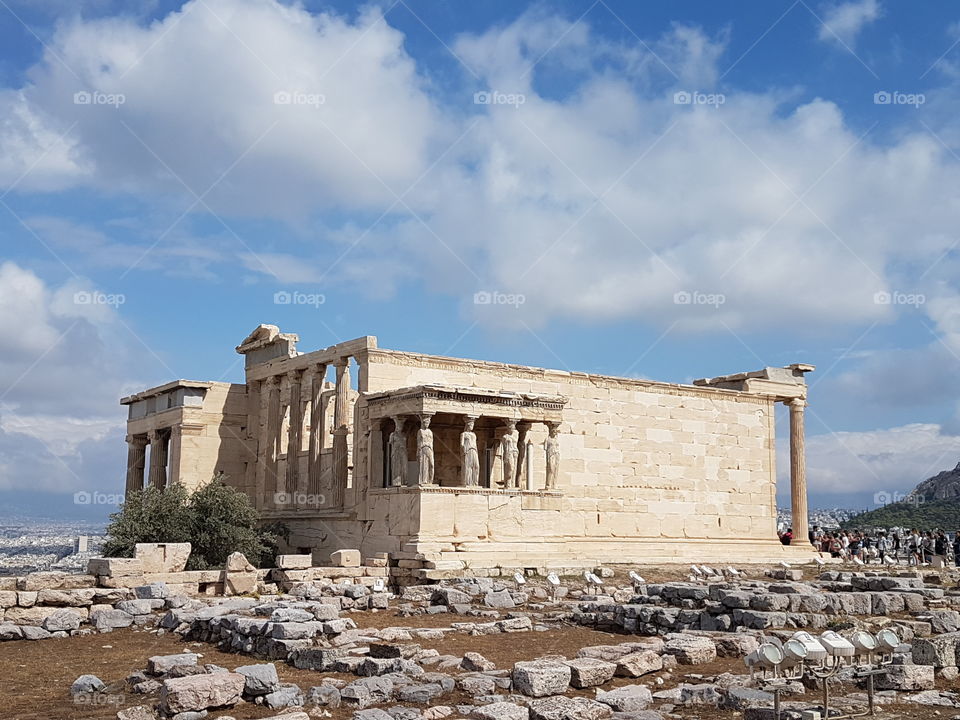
[
  {"x": 86, "y": 684},
  {"x": 199, "y": 692},
  {"x": 638, "y": 664},
  {"x": 590, "y": 672},
  {"x": 629, "y": 698},
  {"x": 561, "y": 707},
  {"x": 475, "y": 662},
  {"x": 260, "y": 679},
  {"x": 501, "y": 711},
  {"x": 906, "y": 677},
  {"x": 690, "y": 649},
  {"x": 63, "y": 620},
  {"x": 538, "y": 678},
  {"x": 345, "y": 558},
  {"x": 160, "y": 664}
]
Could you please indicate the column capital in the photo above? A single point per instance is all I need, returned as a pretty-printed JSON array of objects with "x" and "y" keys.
[
  {"x": 296, "y": 374},
  {"x": 272, "y": 381},
  {"x": 342, "y": 361},
  {"x": 798, "y": 403},
  {"x": 137, "y": 439},
  {"x": 320, "y": 369}
]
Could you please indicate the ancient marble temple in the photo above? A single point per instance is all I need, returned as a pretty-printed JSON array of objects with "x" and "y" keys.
[{"x": 464, "y": 463}]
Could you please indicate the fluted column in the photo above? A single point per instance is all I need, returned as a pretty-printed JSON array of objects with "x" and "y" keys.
[
  {"x": 294, "y": 441},
  {"x": 317, "y": 429},
  {"x": 798, "y": 471},
  {"x": 341, "y": 422},
  {"x": 158, "y": 458},
  {"x": 271, "y": 448},
  {"x": 174, "y": 455},
  {"x": 136, "y": 461}
]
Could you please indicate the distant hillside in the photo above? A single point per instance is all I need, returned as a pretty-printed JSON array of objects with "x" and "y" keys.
[
  {"x": 942, "y": 514},
  {"x": 943, "y": 486},
  {"x": 934, "y": 503}
]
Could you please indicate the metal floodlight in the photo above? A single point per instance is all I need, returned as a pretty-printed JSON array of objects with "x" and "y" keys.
[
  {"x": 696, "y": 570},
  {"x": 887, "y": 640},
  {"x": 816, "y": 652},
  {"x": 820, "y": 561},
  {"x": 553, "y": 579},
  {"x": 837, "y": 646},
  {"x": 521, "y": 580},
  {"x": 769, "y": 655},
  {"x": 379, "y": 585},
  {"x": 857, "y": 561},
  {"x": 864, "y": 643},
  {"x": 785, "y": 565},
  {"x": 889, "y": 560},
  {"x": 794, "y": 653},
  {"x": 636, "y": 578},
  {"x": 733, "y": 571},
  {"x": 707, "y": 570}
]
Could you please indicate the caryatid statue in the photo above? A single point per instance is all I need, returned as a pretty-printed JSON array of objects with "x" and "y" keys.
[
  {"x": 552, "y": 448},
  {"x": 425, "y": 451},
  {"x": 470, "y": 454},
  {"x": 398, "y": 454},
  {"x": 510, "y": 454}
]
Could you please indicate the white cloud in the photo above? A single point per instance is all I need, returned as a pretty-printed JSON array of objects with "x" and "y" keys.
[
  {"x": 887, "y": 460},
  {"x": 843, "y": 22},
  {"x": 63, "y": 368},
  {"x": 610, "y": 202}
]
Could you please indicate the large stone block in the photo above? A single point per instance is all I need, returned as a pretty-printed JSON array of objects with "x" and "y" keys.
[
  {"x": 538, "y": 678},
  {"x": 590, "y": 672},
  {"x": 115, "y": 567},
  {"x": 638, "y": 663},
  {"x": 939, "y": 650},
  {"x": 906, "y": 677},
  {"x": 345, "y": 558},
  {"x": 196, "y": 693},
  {"x": 294, "y": 562},
  {"x": 627, "y": 699},
  {"x": 568, "y": 708},
  {"x": 162, "y": 557}
]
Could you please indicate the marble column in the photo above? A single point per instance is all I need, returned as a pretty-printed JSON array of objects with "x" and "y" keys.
[
  {"x": 398, "y": 453},
  {"x": 158, "y": 458},
  {"x": 522, "y": 429},
  {"x": 425, "y": 459},
  {"x": 136, "y": 461},
  {"x": 510, "y": 454},
  {"x": 798, "y": 472},
  {"x": 469, "y": 455},
  {"x": 295, "y": 379},
  {"x": 174, "y": 455},
  {"x": 341, "y": 423},
  {"x": 317, "y": 428},
  {"x": 272, "y": 450},
  {"x": 551, "y": 447}
]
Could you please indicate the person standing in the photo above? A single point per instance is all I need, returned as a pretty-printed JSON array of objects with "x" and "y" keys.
[{"x": 956, "y": 548}]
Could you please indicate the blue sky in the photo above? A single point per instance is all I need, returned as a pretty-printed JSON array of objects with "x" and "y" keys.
[{"x": 660, "y": 190}]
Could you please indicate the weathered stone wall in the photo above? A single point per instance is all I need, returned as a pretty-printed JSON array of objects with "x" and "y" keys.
[{"x": 640, "y": 461}]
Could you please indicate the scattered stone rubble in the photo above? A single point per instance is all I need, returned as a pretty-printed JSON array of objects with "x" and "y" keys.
[{"x": 668, "y": 631}]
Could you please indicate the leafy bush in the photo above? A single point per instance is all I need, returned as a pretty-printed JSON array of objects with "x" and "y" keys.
[{"x": 216, "y": 519}]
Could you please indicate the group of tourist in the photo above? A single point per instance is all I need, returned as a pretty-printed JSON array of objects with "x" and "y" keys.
[{"x": 915, "y": 546}]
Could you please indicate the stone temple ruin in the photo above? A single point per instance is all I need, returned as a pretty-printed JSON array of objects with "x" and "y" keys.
[{"x": 454, "y": 463}]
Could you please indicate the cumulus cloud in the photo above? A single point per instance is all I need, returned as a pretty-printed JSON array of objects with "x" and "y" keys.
[
  {"x": 641, "y": 191},
  {"x": 844, "y": 21},
  {"x": 62, "y": 370},
  {"x": 887, "y": 461}
]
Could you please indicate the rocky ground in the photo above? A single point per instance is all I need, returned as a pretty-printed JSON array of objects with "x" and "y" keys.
[{"x": 484, "y": 649}]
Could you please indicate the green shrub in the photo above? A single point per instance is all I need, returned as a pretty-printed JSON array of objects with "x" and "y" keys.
[{"x": 216, "y": 520}]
